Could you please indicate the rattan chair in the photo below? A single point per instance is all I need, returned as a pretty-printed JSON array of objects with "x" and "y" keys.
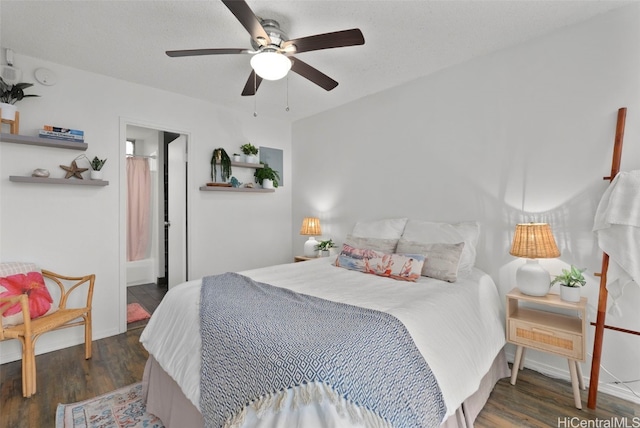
[{"x": 64, "y": 317}]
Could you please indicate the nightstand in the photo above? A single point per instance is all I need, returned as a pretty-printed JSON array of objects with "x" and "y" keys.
[
  {"x": 534, "y": 327},
  {"x": 302, "y": 258}
]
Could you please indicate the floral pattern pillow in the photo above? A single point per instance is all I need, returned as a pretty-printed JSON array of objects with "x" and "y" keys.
[
  {"x": 404, "y": 267},
  {"x": 24, "y": 278}
]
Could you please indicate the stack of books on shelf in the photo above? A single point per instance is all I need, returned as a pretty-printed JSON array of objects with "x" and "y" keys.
[{"x": 65, "y": 134}]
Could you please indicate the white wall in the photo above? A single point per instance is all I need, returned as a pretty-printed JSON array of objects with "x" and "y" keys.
[
  {"x": 77, "y": 230},
  {"x": 523, "y": 134}
]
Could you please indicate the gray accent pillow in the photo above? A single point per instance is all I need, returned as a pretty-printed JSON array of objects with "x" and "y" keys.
[
  {"x": 429, "y": 232},
  {"x": 441, "y": 260},
  {"x": 378, "y": 244}
]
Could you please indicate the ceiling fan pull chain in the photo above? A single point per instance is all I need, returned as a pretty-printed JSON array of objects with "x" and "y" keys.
[
  {"x": 287, "y": 108},
  {"x": 255, "y": 96}
]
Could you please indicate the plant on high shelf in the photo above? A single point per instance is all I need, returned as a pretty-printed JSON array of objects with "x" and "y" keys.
[
  {"x": 9, "y": 95},
  {"x": 250, "y": 152},
  {"x": 96, "y": 168},
  {"x": 570, "y": 280},
  {"x": 325, "y": 246},
  {"x": 266, "y": 176},
  {"x": 97, "y": 163},
  {"x": 221, "y": 157}
]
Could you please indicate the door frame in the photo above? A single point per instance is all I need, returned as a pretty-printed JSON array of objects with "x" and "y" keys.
[{"x": 122, "y": 274}]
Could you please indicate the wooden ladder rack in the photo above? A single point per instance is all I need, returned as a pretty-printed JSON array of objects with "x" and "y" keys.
[{"x": 603, "y": 293}]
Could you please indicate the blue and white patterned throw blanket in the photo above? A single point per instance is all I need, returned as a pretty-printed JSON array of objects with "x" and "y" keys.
[{"x": 259, "y": 340}]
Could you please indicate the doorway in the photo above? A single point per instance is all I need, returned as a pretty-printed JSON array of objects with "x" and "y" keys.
[{"x": 154, "y": 218}]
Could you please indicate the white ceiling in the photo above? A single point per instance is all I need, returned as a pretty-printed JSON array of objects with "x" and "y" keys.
[{"x": 404, "y": 40}]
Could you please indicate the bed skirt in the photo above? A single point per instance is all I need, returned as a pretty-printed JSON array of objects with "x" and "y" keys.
[{"x": 166, "y": 400}]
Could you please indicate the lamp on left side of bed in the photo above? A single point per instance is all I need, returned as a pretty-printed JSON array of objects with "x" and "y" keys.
[
  {"x": 311, "y": 227},
  {"x": 533, "y": 241}
]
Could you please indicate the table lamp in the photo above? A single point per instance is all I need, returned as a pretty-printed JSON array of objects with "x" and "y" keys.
[
  {"x": 533, "y": 241},
  {"x": 311, "y": 228}
]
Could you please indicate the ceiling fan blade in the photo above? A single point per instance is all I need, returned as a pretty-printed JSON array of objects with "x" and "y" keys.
[
  {"x": 312, "y": 74},
  {"x": 196, "y": 52},
  {"x": 249, "y": 20},
  {"x": 336, "y": 39},
  {"x": 252, "y": 85}
]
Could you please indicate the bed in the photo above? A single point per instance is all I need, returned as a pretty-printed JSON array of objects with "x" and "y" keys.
[{"x": 455, "y": 324}]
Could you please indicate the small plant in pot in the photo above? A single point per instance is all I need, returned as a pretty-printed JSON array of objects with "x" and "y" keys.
[
  {"x": 324, "y": 247},
  {"x": 9, "y": 95},
  {"x": 267, "y": 176},
  {"x": 220, "y": 157},
  {"x": 237, "y": 157},
  {"x": 250, "y": 152},
  {"x": 96, "y": 168},
  {"x": 570, "y": 282}
]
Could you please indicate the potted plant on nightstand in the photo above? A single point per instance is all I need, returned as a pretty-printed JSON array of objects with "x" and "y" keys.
[
  {"x": 267, "y": 176},
  {"x": 250, "y": 152},
  {"x": 570, "y": 282},
  {"x": 324, "y": 247},
  {"x": 96, "y": 168}
]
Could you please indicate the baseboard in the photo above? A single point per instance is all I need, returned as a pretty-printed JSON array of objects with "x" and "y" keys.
[
  {"x": 55, "y": 345},
  {"x": 558, "y": 373}
]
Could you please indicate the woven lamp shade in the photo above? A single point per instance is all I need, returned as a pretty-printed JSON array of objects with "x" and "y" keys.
[
  {"x": 534, "y": 241},
  {"x": 311, "y": 226}
]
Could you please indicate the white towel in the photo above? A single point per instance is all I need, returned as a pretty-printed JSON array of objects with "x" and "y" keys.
[{"x": 617, "y": 227}]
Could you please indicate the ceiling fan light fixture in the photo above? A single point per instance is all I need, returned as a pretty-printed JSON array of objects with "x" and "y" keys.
[{"x": 270, "y": 65}]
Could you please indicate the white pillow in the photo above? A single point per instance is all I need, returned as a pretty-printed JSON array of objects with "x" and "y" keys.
[
  {"x": 391, "y": 228},
  {"x": 383, "y": 245},
  {"x": 428, "y": 232}
]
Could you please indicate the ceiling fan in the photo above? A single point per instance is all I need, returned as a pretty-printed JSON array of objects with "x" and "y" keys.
[{"x": 273, "y": 51}]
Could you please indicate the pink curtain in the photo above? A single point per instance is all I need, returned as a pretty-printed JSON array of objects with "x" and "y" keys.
[{"x": 138, "y": 207}]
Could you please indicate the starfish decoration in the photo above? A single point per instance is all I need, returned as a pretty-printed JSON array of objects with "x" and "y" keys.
[{"x": 73, "y": 170}]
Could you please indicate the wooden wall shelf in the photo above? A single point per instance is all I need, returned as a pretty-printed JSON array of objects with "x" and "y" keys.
[
  {"x": 44, "y": 142},
  {"x": 245, "y": 164},
  {"x": 235, "y": 189},
  {"x": 46, "y": 180}
]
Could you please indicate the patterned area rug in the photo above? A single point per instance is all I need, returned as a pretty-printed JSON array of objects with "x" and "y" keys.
[
  {"x": 135, "y": 312},
  {"x": 121, "y": 408}
]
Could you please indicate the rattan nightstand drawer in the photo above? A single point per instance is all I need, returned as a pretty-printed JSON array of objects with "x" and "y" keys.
[{"x": 547, "y": 339}]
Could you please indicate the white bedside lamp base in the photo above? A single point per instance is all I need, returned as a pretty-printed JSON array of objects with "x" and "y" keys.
[
  {"x": 310, "y": 247},
  {"x": 533, "y": 279}
]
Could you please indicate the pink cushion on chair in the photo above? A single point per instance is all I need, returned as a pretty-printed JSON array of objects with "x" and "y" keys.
[{"x": 24, "y": 278}]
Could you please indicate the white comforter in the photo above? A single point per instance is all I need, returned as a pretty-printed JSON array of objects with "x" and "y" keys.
[{"x": 457, "y": 327}]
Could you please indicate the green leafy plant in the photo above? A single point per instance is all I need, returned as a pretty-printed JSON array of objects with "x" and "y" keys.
[
  {"x": 10, "y": 94},
  {"x": 221, "y": 157},
  {"x": 570, "y": 277},
  {"x": 325, "y": 245},
  {"x": 97, "y": 164},
  {"x": 266, "y": 172},
  {"x": 249, "y": 149}
]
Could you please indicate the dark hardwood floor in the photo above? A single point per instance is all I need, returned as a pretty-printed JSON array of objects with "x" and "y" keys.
[
  {"x": 540, "y": 401},
  {"x": 148, "y": 296},
  {"x": 65, "y": 377}
]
